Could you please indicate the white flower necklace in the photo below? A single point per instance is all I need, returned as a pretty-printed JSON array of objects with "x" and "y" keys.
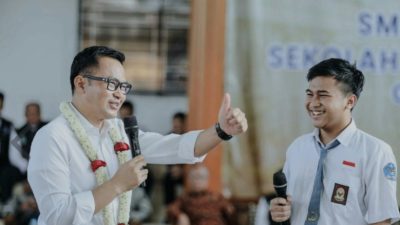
[{"x": 99, "y": 166}]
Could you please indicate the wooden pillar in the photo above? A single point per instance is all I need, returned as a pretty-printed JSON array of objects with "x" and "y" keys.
[{"x": 206, "y": 74}]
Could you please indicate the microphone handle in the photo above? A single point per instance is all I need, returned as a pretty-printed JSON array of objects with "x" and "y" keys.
[
  {"x": 281, "y": 194},
  {"x": 134, "y": 142},
  {"x": 287, "y": 222}
]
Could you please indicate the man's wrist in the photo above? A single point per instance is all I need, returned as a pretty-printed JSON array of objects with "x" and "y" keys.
[{"x": 221, "y": 133}]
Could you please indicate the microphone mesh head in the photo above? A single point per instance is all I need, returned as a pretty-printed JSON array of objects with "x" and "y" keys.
[
  {"x": 280, "y": 184},
  {"x": 279, "y": 179},
  {"x": 130, "y": 121}
]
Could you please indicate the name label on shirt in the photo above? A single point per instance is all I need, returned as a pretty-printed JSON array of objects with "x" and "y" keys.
[{"x": 348, "y": 163}]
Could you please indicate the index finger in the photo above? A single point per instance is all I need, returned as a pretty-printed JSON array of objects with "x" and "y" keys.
[{"x": 138, "y": 158}]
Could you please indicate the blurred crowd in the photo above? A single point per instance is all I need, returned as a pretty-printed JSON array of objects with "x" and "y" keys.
[{"x": 185, "y": 201}]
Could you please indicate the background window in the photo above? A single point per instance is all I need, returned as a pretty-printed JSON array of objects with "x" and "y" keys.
[{"x": 153, "y": 35}]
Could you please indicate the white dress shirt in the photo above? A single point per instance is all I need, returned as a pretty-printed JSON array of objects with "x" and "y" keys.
[
  {"x": 360, "y": 163},
  {"x": 60, "y": 175}
]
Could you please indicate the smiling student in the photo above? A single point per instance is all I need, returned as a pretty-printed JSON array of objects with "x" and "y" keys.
[{"x": 337, "y": 174}]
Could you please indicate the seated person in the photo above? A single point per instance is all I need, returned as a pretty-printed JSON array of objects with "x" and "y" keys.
[
  {"x": 140, "y": 207},
  {"x": 198, "y": 206},
  {"x": 127, "y": 109},
  {"x": 173, "y": 182},
  {"x": 29, "y": 129},
  {"x": 21, "y": 209}
]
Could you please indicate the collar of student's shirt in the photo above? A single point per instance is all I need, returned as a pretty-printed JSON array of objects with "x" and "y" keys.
[{"x": 344, "y": 137}]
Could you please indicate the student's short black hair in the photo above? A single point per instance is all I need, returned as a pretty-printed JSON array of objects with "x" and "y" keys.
[
  {"x": 348, "y": 75},
  {"x": 88, "y": 58}
]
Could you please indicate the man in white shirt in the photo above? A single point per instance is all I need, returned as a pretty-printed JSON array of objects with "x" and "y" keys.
[
  {"x": 338, "y": 174},
  {"x": 60, "y": 172}
]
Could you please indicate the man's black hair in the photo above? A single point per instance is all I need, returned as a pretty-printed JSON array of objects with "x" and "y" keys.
[
  {"x": 180, "y": 115},
  {"x": 1, "y": 100},
  {"x": 89, "y": 58},
  {"x": 129, "y": 105},
  {"x": 348, "y": 75}
]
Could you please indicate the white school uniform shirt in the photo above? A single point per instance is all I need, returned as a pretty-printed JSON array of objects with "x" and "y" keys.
[
  {"x": 359, "y": 179},
  {"x": 60, "y": 174}
]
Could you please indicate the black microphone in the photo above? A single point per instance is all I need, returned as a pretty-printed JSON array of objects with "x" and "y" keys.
[
  {"x": 132, "y": 131},
  {"x": 280, "y": 185}
]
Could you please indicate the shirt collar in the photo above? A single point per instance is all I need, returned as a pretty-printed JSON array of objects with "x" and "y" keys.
[
  {"x": 90, "y": 129},
  {"x": 344, "y": 137}
]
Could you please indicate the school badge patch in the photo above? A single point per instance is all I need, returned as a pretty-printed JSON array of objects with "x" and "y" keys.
[
  {"x": 339, "y": 194},
  {"x": 390, "y": 171}
]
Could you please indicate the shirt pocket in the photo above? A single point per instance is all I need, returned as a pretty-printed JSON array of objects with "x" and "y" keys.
[{"x": 342, "y": 190}]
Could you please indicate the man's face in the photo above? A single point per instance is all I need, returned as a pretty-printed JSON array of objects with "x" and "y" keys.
[
  {"x": 32, "y": 115},
  {"x": 178, "y": 126},
  {"x": 125, "y": 112},
  {"x": 198, "y": 179},
  {"x": 327, "y": 106},
  {"x": 102, "y": 103}
]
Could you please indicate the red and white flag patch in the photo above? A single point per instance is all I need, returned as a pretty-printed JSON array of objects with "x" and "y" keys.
[{"x": 348, "y": 163}]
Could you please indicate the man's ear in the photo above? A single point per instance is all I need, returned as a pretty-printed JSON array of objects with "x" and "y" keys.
[
  {"x": 351, "y": 101},
  {"x": 79, "y": 83}
]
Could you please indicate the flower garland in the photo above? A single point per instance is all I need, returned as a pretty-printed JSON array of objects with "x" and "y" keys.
[{"x": 99, "y": 166}]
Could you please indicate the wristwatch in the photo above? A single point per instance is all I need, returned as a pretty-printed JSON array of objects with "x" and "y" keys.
[{"x": 221, "y": 133}]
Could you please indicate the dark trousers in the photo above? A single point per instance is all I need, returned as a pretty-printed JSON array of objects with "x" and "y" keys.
[{"x": 9, "y": 176}]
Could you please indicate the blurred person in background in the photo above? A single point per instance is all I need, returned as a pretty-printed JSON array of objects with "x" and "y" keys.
[
  {"x": 12, "y": 164},
  {"x": 22, "y": 209},
  {"x": 141, "y": 207},
  {"x": 199, "y": 206},
  {"x": 173, "y": 178},
  {"x": 32, "y": 125},
  {"x": 127, "y": 109},
  {"x": 179, "y": 123},
  {"x": 173, "y": 182}
]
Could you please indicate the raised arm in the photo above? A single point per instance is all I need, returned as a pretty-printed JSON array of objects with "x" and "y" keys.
[{"x": 232, "y": 121}]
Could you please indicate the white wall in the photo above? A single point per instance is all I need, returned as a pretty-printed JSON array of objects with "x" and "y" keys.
[{"x": 38, "y": 40}]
